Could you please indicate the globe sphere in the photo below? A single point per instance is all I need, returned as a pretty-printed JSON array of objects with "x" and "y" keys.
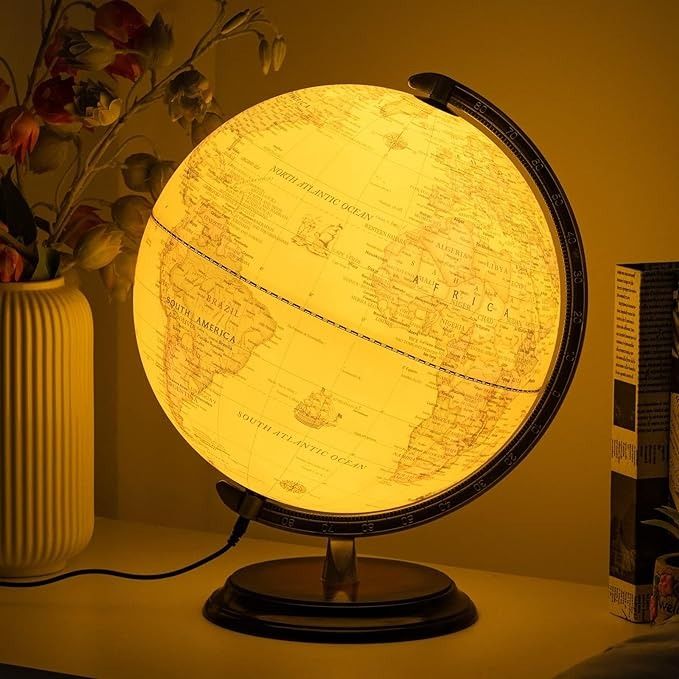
[{"x": 347, "y": 300}]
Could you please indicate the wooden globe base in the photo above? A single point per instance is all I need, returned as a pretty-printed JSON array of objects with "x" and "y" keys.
[{"x": 288, "y": 599}]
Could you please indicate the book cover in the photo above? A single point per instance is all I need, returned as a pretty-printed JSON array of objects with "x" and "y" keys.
[
  {"x": 640, "y": 433},
  {"x": 674, "y": 405}
]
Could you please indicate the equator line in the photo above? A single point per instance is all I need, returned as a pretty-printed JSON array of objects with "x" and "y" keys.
[{"x": 339, "y": 326}]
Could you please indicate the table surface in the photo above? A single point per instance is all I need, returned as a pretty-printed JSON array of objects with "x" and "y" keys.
[{"x": 106, "y": 627}]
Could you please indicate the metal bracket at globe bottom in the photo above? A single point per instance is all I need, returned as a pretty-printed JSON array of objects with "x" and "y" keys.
[{"x": 340, "y": 599}]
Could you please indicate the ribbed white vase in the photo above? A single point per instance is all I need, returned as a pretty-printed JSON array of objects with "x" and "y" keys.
[{"x": 46, "y": 426}]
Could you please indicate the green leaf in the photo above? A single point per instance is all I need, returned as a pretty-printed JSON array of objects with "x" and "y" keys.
[
  {"x": 48, "y": 264},
  {"x": 63, "y": 248},
  {"x": 669, "y": 527},
  {"x": 670, "y": 512},
  {"x": 16, "y": 213},
  {"x": 42, "y": 224},
  {"x": 48, "y": 258}
]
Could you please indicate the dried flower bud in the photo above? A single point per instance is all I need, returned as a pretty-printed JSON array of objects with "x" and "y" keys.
[
  {"x": 235, "y": 21},
  {"x": 54, "y": 59},
  {"x": 265, "y": 55},
  {"x": 49, "y": 153},
  {"x": 98, "y": 247},
  {"x": 19, "y": 131},
  {"x": 11, "y": 264},
  {"x": 118, "y": 275},
  {"x": 201, "y": 130},
  {"x": 87, "y": 50},
  {"x": 188, "y": 96},
  {"x": 137, "y": 170},
  {"x": 160, "y": 175},
  {"x": 156, "y": 44},
  {"x": 131, "y": 213},
  {"x": 278, "y": 50}
]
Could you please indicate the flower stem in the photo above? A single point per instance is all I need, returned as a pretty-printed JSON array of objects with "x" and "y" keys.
[
  {"x": 8, "y": 68},
  {"x": 17, "y": 245},
  {"x": 40, "y": 54},
  {"x": 76, "y": 3},
  {"x": 239, "y": 32},
  {"x": 134, "y": 138},
  {"x": 45, "y": 74},
  {"x": 98, "y": 201},
  {"x": 43, "y": 203},
  {"x": 43, "y": 15},
  {"x": 60, "y": 183},
  {"x": 89, "y": 166},
  {"x": 130, "y": 92},
  {"x": 19, "y": 173},
  {"x": 219, "y": 18}
]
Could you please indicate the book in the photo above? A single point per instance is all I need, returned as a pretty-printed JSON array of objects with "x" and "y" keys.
[
  {"x": 674, "y": 405},
  {"x": 640, "y": 437}
]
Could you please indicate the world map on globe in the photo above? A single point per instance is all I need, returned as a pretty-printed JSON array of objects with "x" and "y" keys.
[{"x": 347, "y": 300}]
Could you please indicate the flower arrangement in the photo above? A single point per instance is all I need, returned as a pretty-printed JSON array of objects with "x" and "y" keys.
[{"x": 85, "y": 85}]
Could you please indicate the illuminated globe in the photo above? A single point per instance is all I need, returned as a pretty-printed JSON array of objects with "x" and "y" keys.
[{"x": 349, "y": 301}]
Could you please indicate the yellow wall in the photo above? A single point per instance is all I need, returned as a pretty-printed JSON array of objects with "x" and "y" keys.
[{"x": 593, "y": 83}]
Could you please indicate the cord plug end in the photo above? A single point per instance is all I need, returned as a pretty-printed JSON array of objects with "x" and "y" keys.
[
  {"x": 238, "y": 531},
  {"x": 242, "y": 501}
]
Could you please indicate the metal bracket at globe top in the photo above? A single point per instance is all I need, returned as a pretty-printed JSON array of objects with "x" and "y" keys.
[{"x": 435, "y": 89}]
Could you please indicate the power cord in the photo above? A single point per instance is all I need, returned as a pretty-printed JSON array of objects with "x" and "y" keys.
[{"x": 248, "y": 507}]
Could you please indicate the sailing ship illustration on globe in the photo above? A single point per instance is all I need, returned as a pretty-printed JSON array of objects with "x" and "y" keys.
[
  {"x": 318, "y": 410},
  {"x": 317, "y": 238}
]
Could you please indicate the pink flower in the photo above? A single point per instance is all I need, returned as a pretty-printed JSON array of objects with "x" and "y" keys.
[
  {"x": 19, "y": 132},
  {"x": 11, "y": 264},
  {"x": 53, "y": 100},
  {"x": 665, "y": 584},
  {"x": 653, "y": 607},
  {"x": 84, "y": 219},
  {"x": 126, "y": 66},
  {"x": 120, "y": 21}
]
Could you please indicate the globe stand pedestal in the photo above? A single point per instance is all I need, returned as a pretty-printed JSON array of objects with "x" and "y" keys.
[{"x": 340, "y": 599}]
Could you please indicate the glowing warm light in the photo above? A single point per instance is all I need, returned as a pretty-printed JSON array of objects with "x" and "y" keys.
[{"x": 347, "y": 300}]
